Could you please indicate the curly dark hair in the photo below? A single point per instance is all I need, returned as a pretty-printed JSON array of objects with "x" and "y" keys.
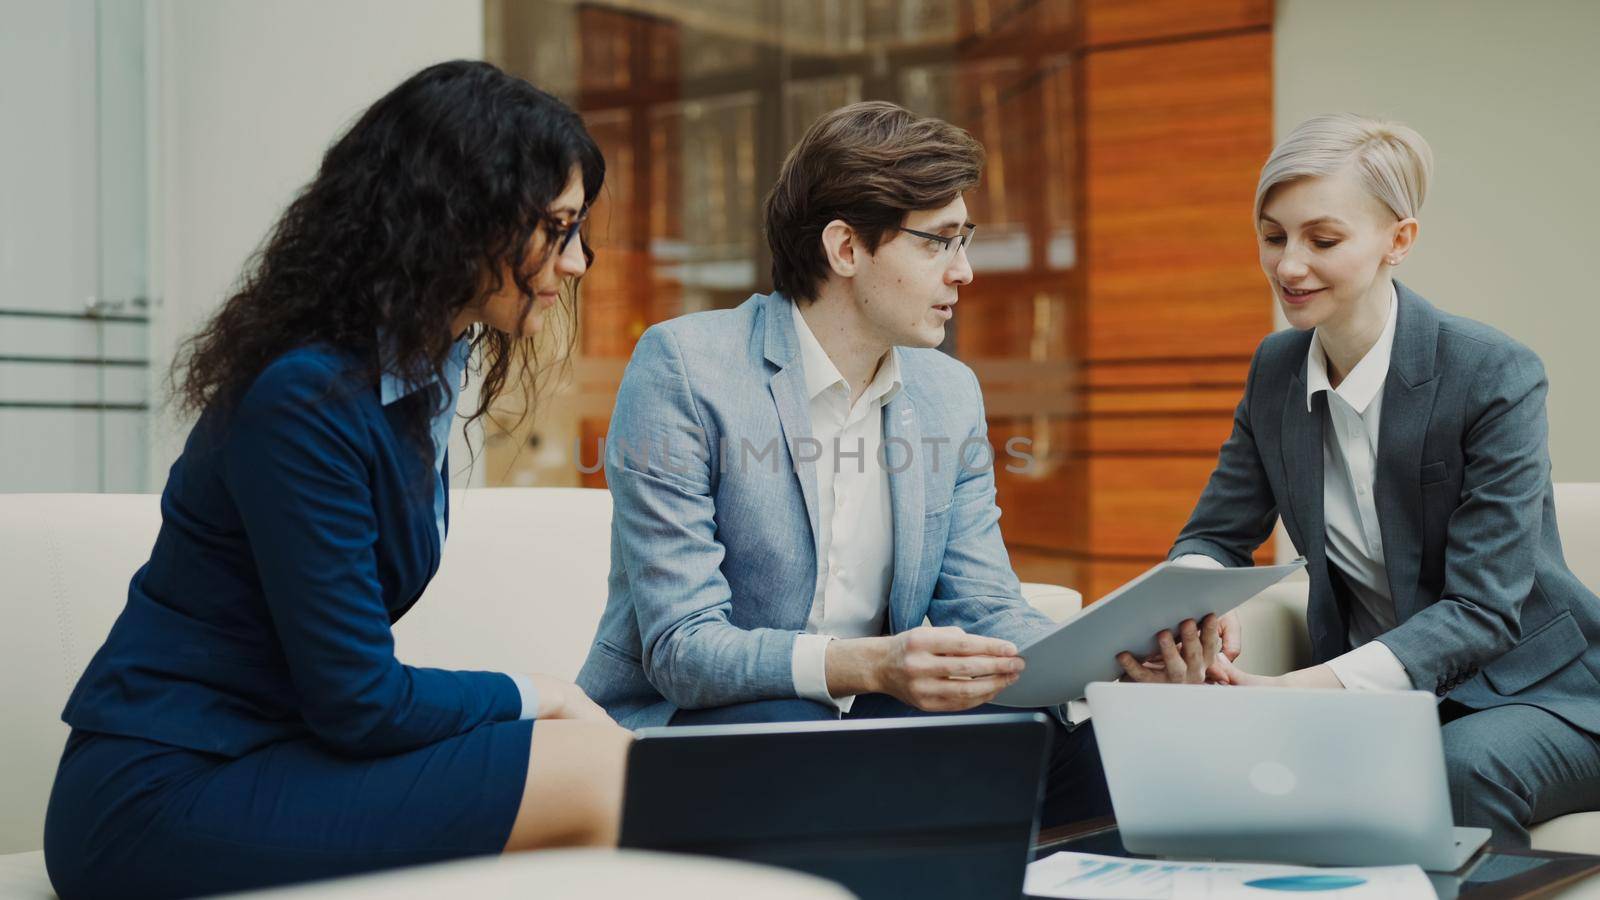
[{"x": 415, "y": 213}]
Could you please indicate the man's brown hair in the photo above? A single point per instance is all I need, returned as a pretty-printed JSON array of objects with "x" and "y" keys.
[{"x": 867, "y": 164}]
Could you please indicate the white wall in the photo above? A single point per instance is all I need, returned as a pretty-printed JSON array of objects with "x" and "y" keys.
[
  {"x": 250, "y": 95},
  {"x": 1506, "y": 95},
  {"x": 48, "y": 231},
  {"x": 51, "y": 224}
]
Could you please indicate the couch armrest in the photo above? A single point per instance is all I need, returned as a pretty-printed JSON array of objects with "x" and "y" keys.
[
  {"x": 1057, "y": 602},
  {"x": 1274, "y": 624}
]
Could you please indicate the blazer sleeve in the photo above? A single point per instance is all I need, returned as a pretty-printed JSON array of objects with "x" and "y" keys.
[
  {"x": 296, "y": 465},
  {"x": 1492, "y": 539},
  {"x": 658, "y": 468},
  {"x": 976, "y": 589},
  {"x": 1237, "y": 510}
]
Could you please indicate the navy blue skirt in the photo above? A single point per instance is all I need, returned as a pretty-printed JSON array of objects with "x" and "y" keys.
[{"x": 134, "y": 818}]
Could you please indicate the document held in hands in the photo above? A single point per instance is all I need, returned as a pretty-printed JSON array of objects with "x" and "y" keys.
[{"x": 1084, "y": 648}]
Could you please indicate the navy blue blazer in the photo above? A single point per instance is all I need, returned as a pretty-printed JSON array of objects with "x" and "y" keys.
[{"x": 295, "y": 530}]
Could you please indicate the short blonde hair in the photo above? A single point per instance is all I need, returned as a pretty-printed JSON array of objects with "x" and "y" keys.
[{"x": 1394, "y": 162}]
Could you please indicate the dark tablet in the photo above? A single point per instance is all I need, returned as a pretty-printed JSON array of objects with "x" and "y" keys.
[{"x": 931, "y": 807}]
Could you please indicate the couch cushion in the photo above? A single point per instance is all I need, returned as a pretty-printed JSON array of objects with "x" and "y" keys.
[
  {"x": 521, "y": 586},
  {"x": 1578, "y": 519},
  {"x": 22, "y": 877},
  {"x": 66, "y": 559},
  {"x": 1575, "y": 833},
  {"x": 1274, "y": 627}
]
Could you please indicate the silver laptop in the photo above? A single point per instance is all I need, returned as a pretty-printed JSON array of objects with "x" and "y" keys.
[{"x": 1318, "y": 777}]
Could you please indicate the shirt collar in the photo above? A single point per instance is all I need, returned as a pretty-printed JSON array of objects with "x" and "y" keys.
[
  {"x": 1364, "y": 381},
  {"x": 392, "y": 387},
  {"x": 822, "y": 374}
]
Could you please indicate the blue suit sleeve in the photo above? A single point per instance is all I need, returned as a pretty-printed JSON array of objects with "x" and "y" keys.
[
  {"x": 664, "y": 515},
  {"x": 296, "y": 464}
]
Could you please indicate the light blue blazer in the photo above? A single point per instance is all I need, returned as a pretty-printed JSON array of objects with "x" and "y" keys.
[{"x": 714, "y": 531}]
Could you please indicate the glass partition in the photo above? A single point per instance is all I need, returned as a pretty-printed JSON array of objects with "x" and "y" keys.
[{"x": 695, "y": 105}]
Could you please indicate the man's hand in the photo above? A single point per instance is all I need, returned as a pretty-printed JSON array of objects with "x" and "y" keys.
[
  {"x": 564, "y": 700},
  {"x": 932, "y": 669},
  {"x": 1179, "y": 665}
]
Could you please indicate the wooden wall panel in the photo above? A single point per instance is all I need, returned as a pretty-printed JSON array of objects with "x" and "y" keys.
[
  {"x": 1175, "y": 135},
  {"x": 1138, "y": 504},
  {"x": 1167, "y": 434},
  {"x": 1042, "y": 506},
  {"x": 1175, "y": 120},
  {"x": 1126, "y": 21},
  {"x": 1191, "y": 371}
]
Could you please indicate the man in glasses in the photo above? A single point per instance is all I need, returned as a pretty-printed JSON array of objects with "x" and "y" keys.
[{"x": 800, "y": 482}]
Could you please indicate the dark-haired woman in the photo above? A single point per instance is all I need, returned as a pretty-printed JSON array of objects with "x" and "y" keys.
[{"x": 246, "y": 722}]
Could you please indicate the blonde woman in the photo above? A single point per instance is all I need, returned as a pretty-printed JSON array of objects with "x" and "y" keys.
[{"x": 1404, "y": 448}]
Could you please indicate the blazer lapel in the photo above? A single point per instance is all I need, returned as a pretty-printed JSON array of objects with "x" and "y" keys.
[
  {"x": 902, "y": 441},
  {"x": 788, "y": 386},
  {"x": 1408, "y": 395},
  {"x": 1302, "y": 463}
]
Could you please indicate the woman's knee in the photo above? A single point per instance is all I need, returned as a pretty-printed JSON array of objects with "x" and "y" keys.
[{"x": 573, "y": 793}]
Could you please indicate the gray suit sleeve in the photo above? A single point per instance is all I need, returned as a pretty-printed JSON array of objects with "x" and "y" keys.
[
  {"x": 659, "y": 473},
  {"x": 1236, "y": 511},
  {"x": 1493, "y": 536}
]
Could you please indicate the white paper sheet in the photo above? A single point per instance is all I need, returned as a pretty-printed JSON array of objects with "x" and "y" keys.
[
  {"x": 1088, "y": 876},
  {"x": 1377, "y": 883}
]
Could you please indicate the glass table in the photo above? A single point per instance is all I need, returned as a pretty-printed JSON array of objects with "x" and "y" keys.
[{"x": 1491, "y": 875}]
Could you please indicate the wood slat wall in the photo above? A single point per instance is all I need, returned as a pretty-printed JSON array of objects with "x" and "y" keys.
[
  {"x": 1176, "y": 119},
  {"x": 1112, "y": 22},
  {"x": 1133, "y": 128}
]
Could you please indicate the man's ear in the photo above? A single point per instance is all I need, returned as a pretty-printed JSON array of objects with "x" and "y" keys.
[{"x": 839, "y": 242}]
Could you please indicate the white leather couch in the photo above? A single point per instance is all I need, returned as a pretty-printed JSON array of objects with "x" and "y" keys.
[{"x": 521, "y": 588}]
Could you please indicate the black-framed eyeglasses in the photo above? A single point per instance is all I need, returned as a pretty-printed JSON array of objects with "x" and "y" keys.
[
  {"x": 561, "y": 233},
  {"x": 949, "y": 245}
]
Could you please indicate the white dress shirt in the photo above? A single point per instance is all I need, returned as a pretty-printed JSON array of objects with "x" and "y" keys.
[
  {"x": 1350, "y": 515},
  {"x": 855, "y": 563}
]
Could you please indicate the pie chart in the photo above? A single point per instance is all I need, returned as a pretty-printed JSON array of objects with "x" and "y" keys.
[{"x": 1306, "y": 884}]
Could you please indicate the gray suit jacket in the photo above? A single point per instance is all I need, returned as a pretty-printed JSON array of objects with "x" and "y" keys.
[
  {"x": 714, "y": 526},
  {"x": 1488, "y": 612}
]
